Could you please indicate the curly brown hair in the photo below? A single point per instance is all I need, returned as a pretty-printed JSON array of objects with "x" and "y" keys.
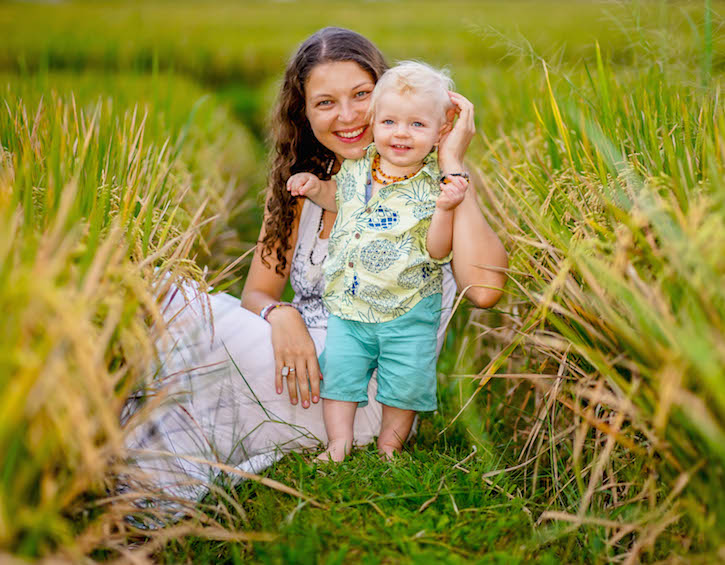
[{"x": 296, "y": 149}]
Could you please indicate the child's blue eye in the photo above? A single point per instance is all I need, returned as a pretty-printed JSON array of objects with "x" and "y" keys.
[
  {"x": 418, "y": 124},
  {"x": 388, "y": 122},
  {"x": 362, "y": 93}
]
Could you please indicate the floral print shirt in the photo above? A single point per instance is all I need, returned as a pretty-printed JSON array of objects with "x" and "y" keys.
[{"x": 378, "y": 267}]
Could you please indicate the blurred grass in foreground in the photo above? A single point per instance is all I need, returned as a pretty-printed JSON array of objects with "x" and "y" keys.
[{"x": 95, "y": 213}]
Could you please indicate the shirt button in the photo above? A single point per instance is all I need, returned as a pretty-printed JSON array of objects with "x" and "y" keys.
[
  {"x": 349, "y": 264},
  {"x": 357, "y": 236},
  {"x": 368, "y": 210}
]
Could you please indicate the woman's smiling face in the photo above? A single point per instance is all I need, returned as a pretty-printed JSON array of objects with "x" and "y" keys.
[{"x": 337, "y": 99}]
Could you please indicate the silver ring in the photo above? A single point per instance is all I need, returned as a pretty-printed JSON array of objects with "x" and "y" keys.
[{"x": 287, "y": 370}]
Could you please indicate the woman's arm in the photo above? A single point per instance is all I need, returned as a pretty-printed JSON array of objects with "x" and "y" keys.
[
  {"x": 293, "y": 347},
  {"x": 475, "y": 245}
]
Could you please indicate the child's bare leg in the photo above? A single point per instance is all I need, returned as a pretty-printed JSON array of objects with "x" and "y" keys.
[
  {"x": 339, "y": 420},
  {"x": 394, "y": 429}
]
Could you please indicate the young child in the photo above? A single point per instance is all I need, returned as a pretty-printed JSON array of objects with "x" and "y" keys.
[{"x": 393, "y": 231}]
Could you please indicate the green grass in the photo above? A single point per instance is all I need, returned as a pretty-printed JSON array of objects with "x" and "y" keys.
[
  {"x": 602, "y": 155},
  {"x": 223, "y": 41},
  {"x": 423, "y": 507},
  {"x": 95, "y": 213},
  {"x": 221, "y": 157},
  {"x": 416, "y": 509},
  {"x": 374, "y": 516}
]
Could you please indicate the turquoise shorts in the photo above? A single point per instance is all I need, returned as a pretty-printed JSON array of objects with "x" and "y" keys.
[{"x": 403, "y": 350}]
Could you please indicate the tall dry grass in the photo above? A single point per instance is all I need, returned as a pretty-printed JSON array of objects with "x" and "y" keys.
[
  {"x": 611, "y": 201},
  {"x": 96, "y": 220}
]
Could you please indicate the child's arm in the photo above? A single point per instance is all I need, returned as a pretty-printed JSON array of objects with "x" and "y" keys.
[
  {"x": 321, "y": 192},
  {"x": 439, "y": 241}
]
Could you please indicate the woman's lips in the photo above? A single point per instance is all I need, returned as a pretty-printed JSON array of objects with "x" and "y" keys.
[{"x": 351, "y": 135}]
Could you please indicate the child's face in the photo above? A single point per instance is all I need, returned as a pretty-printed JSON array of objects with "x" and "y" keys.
[{"x": 405, "y": 128}]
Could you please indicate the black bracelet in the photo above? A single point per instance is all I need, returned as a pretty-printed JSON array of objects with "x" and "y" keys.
[{"x": 445, "y": 180}]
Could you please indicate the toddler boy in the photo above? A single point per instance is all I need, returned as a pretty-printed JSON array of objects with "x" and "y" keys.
[{"x": 393, "y": 231}]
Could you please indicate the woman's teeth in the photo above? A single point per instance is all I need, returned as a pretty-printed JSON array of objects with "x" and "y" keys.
[{"x": 350, "y": 134}]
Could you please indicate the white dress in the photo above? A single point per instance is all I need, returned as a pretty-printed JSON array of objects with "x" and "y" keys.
[{"x": 217, "y": 367}]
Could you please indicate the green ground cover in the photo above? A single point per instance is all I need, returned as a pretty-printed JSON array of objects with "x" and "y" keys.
[
  {"x": 602, "y": 161},
  {"x": 220, "y": 41}
]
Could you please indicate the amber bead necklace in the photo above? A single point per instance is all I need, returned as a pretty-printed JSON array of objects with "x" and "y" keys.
[{"x": 381, "y": 178}]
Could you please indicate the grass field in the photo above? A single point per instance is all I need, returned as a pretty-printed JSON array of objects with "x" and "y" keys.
[{"x": 582, "y": 420}]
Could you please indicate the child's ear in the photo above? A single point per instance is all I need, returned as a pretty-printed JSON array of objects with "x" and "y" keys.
[
  {"x": 445, "y": 128},
  {"x": 448, "y": 123},
  {"x": 451, "y": 115}
]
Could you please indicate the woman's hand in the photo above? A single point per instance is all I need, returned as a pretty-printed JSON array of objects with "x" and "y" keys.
[
  {"x": 475, "y": 245},
  {"x": 293, "y": 348},
  {"x": 454, "y": 142}
]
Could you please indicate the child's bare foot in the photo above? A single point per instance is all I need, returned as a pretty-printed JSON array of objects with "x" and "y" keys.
[
  {"x": 388, "y": 452},
  {"x": 336, "y": 451},
  {"x": 394, "y": 428}
]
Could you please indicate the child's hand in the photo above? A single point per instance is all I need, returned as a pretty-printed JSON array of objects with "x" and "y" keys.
[
  {"x": 452, "y": 193},
  {"x": 303, "y": 184}
]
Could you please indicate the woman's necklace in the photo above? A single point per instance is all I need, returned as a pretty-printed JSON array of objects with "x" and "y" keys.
[
  {"x": 330, "y": 164},
  {"x": 314, "y": 244},
  {"x": 381, "y": 178}
]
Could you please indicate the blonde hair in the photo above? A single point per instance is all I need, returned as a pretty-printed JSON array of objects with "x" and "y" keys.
[{"x": 416, "y": 78}]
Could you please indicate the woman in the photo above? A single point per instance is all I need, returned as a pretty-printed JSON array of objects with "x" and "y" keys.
[{"x": 225, "y": 396}]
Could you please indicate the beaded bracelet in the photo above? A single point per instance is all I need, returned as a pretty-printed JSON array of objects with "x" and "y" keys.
[
  {"x": 272, "y": 306},
  {"x": 445, "y": 180}
]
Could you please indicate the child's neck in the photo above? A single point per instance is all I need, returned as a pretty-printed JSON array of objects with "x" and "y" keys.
[
  {"x": 388, "y": 173},
  {"x": 399, "y": 171}
]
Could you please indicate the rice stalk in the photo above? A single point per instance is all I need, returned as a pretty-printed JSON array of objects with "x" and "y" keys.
[
  {"x": 96, "y": 221},
  {"x": 612, "y": 210}
]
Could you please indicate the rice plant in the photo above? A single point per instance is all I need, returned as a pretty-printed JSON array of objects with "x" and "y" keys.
[
  {"x": 96, "y": 219},
  {"x": 221, "y": 42},
  {"x": 611, "y": 203}
]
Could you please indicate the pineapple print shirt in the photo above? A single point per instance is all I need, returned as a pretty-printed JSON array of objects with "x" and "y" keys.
[{"x": 378, "y": 267}]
